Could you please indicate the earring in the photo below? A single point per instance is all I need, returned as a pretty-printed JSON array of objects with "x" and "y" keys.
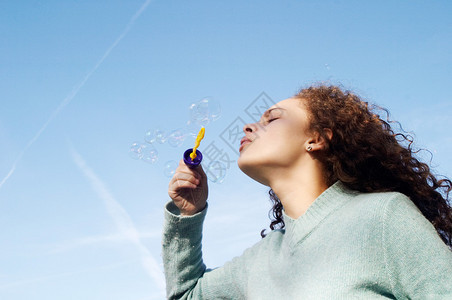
[{"x": 309, "y": 148}]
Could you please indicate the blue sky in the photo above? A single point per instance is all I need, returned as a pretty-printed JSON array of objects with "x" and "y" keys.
[{"x": 82, "y": 80}]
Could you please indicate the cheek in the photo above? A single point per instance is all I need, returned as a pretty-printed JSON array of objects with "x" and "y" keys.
[
  {"x": 270, "y": 148},
  {"x": 284, "y": 146}
]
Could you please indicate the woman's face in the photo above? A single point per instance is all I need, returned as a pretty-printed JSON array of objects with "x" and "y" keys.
[{"x": 277, "y": 143}]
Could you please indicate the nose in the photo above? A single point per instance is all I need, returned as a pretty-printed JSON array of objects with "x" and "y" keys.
[{"x": 249, "y": 128}]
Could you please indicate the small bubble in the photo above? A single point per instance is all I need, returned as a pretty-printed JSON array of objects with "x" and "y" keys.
[
  {"x": 327, "y": 66},
  {"x": 170, "y": 168},
  {"x": 135, "y": 151},
  {"x": 192, "y": 129},
  {"x": 199, "y": 114},
  {"x": 176, "y": 138},
  {"x": 156, "y": 135},
  {"x": 213, "y": 107},
  {"x": 149, "y": 153},
  {"x": 149, "y": 136},
  {"x": 160, "y": 136},
  {"x": 204, "y": 111},
  {"x": 216, "y": 171}
]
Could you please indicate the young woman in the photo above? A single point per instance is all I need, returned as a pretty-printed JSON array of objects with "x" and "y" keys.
[{"x": 356, "y": 215}]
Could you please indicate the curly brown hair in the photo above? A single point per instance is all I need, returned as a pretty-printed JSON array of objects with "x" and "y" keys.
[{"x": 367, "y": 155}]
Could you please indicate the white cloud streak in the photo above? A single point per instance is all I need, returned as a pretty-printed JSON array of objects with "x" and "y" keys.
[
  {"x": 101, "y": 239},
  {"x": 75, "y": 91},
  {"x": 122, "y": 221},
  {"x": 28, "y": 281}
]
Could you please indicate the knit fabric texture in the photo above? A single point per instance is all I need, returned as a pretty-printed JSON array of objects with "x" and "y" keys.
[{"x": 347, "y": 245}]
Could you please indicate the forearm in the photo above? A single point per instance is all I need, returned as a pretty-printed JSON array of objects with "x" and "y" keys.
[{"x": 182, "y": 256}]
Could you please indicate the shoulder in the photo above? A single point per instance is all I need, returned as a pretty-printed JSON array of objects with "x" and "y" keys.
[
  {"x": 395, "y": 209},
  {"x": 392, "y": 214},
  {"x": 412, "y": 248},
  {"x": 386, "y": 204},
  {"x": 383, "y": 197},
  {"x": 374, "y": 201},
  {"x": 398, "y": 219}
]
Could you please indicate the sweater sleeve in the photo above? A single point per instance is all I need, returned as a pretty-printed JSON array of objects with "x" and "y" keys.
[
  {"x": 185, "y": 272},
  {"x": 418, "y": 262}
]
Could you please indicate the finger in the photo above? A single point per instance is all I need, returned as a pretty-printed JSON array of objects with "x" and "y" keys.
[
  {"x": 187, "y": 172},
  {"x": 189, "y": 177},
  {"x": 184, "y": 173},
  {"x": 180, "y": 184},
  {"x": 190, "y": 172},
  {"x": 191, "y": 180},
  {"x": 182, "y": 165}
]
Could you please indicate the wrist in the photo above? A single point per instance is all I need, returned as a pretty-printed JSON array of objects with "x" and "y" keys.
[{"x": 188, "y": 213}]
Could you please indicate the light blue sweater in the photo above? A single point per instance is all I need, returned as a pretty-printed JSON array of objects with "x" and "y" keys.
[{"x": 347, "y": 245}]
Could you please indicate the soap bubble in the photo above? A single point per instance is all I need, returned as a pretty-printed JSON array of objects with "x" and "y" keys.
[
  {"x": 170, "y": 168},
  {"x": 145, "y": 152},
  {"x": 176, "y": 138},
  {"x": 192, "y": 129},
  {"x": 199, "y": 113},
  {"x": 156, "y": 135},
  {"x": 214, "y": 108},
  {"x": 160, "y": 136},
  {"x": 149, "y": 136},
  {"x": 135, "y": 151},
  {"x": 149, "y": 153},
  {"x": 204, "y": 111},
  {"x": 216, "y": 171}
]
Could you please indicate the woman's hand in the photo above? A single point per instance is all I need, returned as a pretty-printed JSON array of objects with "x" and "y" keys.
[{"x": 188, "y": 189}]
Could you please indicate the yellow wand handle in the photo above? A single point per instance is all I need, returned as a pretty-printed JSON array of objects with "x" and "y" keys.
[{"x": 197, "y": 142}]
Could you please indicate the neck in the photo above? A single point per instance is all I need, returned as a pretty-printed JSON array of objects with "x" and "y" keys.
[{"x": 298, "y": 188}]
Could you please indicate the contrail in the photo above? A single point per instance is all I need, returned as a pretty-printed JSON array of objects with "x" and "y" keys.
[
  {"x": 75, "y": 90},
  {"x": 122, "y": 220},
  {"x": 92, "y": 240},
  {"x": 35, "y": 280}
]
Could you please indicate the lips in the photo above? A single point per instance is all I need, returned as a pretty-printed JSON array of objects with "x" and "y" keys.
[{"x": 243, "y": 142}]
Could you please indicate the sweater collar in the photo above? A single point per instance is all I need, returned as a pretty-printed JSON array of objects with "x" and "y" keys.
[{"x": 330, "y": 200}]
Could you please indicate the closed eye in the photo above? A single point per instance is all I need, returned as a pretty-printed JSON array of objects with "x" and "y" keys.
[{"x": 271, "y": 120}]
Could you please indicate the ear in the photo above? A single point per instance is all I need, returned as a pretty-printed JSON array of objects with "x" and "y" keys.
[{"x": 318, "y": 142}]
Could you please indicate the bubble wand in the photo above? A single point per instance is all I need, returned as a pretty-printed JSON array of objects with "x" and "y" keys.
[{"x": 192, "y": 156}]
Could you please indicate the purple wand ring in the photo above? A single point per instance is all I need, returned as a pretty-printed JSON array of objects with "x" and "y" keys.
[{"x": 195, "y": 162}]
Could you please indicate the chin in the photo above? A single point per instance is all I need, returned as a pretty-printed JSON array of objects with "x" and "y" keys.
[
  {"x": 245, "y": 163},
  {"x": 252, "y": 170}
]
